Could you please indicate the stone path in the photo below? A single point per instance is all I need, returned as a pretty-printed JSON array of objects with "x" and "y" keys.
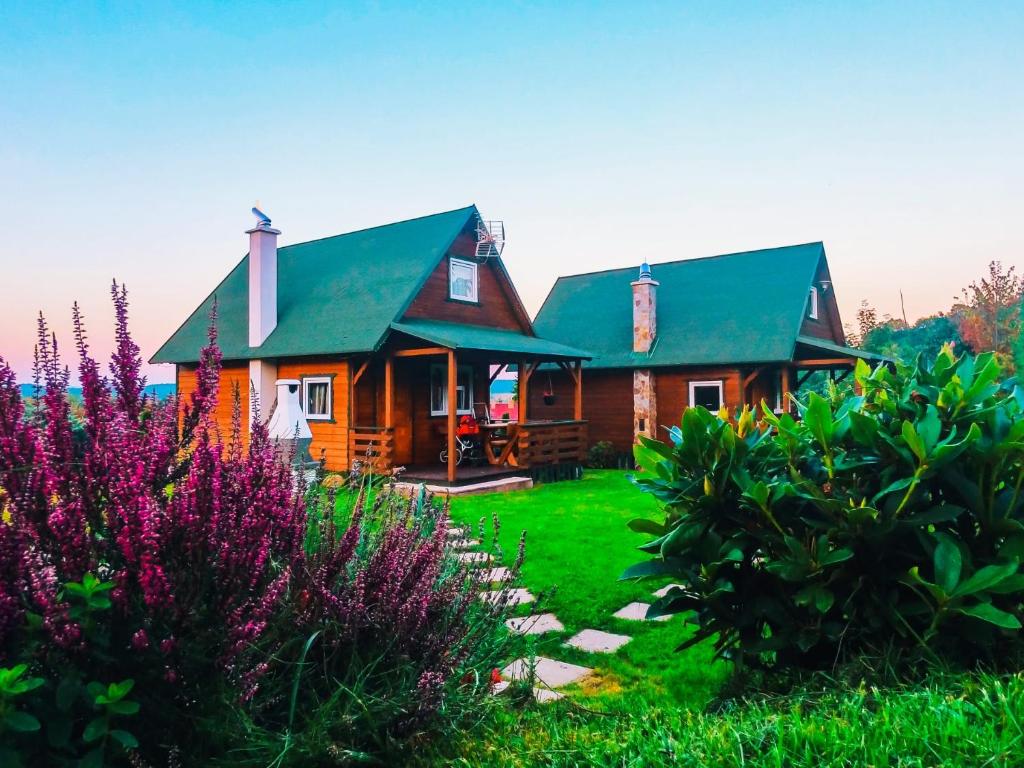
[
  {"x": 596, "y": 641},
  {"x": 550, "y": 673},
  {"x": 516, "y": 596},
  {"x": 637, "y": 612},
  {"x": 535, "y": 624}
]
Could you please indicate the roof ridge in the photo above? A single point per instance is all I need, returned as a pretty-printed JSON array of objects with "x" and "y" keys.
[
  {"x": 696, "y": 258},
  {"x": 379, "y": 226}
]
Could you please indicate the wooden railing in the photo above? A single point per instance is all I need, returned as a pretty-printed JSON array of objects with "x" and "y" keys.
[
  {"x": 552, "y": 442},
  {"x": 372, "y": 447}
]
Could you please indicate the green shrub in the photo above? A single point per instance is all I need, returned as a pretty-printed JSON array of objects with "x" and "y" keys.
[
  {"x": 889, "y": 521},
  {"x": 602, "y": 455}
]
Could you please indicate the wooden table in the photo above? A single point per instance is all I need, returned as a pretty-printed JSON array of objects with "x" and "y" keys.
[{"x": 507, "y": 455}]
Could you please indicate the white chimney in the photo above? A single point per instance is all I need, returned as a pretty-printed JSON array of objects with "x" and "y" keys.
[
  {"x": 645, "y": 310},
  {"x": 262, "y": 279}
]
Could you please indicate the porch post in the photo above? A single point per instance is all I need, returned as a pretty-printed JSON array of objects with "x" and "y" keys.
[
  {"x": 577, "y": 405},
  {"x": 452, "y": 405},
  {"x": 389, "y": 393},
  {"x": 785, "y": 388},
  {"x": 524, "y": 394}
]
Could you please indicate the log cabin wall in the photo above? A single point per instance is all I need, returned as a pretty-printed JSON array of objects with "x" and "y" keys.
[
  {"x": 829, "y": 325},
  {"x": 672, "y": 390},
  {"x": 329, "y": 437},
  {"x": 232, "y": 375},
  {"x": 607, "y": 403},
  {"x": 497, "y": 306}
]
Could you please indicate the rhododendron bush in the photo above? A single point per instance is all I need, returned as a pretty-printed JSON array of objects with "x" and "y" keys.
[{"x": 153, "y": 570}]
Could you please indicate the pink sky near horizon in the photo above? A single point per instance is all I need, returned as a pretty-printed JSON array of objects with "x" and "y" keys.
[{"x": 133, "y": 142}]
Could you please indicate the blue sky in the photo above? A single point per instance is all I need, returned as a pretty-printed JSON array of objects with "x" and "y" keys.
[{"x": 135, "y": 137}]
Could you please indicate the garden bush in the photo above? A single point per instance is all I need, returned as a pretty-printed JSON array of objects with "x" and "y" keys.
[
  {"x": 169, "y": 592},
  {"x": 887, "y": 523}
]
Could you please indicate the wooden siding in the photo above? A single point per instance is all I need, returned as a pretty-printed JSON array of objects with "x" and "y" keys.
[
  {"x": 607, "y": 403},
  {"x": 672, "y": 390},
  {"x": 329, "y": 437},
  {"x": 829, "y": 325},
  {"x": 497, "y": 307},
  {"x": 232, "y": 375}
]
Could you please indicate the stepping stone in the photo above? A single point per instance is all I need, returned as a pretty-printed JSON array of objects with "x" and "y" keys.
[
  {"x": 515, "y": 596},
  {"x": 637, "y": 612},
  {"x": 456, "y": 533},
  {"x": 465, "y": 543},
  {"x": 494, "y": 574},
  {"x": 544, "y": 695},
  {"x": 553, "y": 674},
  {"x": 664, "y": 590},
  {"x": 535, "y": 625},
  {"x": 596, "y": 641},
  {"x": 473, "y": 558}
]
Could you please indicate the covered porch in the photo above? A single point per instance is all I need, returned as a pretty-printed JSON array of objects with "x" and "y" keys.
[
  {"x": 425, "y": 397},
  {"x": 773, "y": 383}
]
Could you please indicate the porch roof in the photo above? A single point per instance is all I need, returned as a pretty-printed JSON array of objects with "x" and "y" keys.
[
  {"x": 478, "y": 337},
  {"x": 823, "y": 345}
]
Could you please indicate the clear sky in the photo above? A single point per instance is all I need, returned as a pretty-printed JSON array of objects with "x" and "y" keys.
[{"x": 135, "y": 137}]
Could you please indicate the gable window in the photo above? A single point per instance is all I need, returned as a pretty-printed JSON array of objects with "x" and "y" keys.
[
  {"x": 707, "y": 394},
  {"x": 812, "y": 304},
  {"x": 462, "y": 280},
  {"x": 316, "y": 398},
  {"x": 439, "y": 390}
]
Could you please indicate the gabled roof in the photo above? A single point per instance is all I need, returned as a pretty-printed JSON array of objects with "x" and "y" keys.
[
  {"x": 464, "y": 336},
  {"x": 733, "y": 309},
  {"x": 337, "y": 295}
]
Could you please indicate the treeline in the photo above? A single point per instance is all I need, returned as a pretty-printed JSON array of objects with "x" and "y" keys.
[{"x": 985, "y": 317}]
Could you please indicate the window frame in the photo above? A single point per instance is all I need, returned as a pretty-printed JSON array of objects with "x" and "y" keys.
[
  {"x": 718, "y": 383},
  {"x": 813, "y": 310},
  {"x": 442, "y": 368},
  {"x": 323, "y": 378},
  {"x": 454, "y": 262}
]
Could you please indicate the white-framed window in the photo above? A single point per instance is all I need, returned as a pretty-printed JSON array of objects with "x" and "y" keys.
[
  {"x": 706, "y": 393},
  {"x": 462, "y": 280},
  {"x": 439, "y": 390},
  {"x": 316, "y": 398},
  {"x": 812, "y": 304}
]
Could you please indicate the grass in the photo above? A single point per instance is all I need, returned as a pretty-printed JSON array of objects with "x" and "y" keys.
[
  {"x": 578, "y": 545},
  {"x": 648, "y": 705}
]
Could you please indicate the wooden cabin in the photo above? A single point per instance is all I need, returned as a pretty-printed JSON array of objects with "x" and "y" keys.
[
  {"x": 393, "y": 334},
  {"x": 720, "y": 331}
]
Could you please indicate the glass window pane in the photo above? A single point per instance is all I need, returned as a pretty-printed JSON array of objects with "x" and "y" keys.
[{"x": 707, "y": 396}]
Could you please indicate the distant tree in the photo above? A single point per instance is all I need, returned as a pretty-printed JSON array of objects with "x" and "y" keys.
[
  {"x": 989, "y": 310},
  {"x": 893, "y": 339}
]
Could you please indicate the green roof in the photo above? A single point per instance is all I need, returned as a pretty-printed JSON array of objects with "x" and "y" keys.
[
  {"x": 827, "y": 346},
  {"x": 337, "y": 295},
  {"x": 463, "y": 336},
  {"x": 732, "y": 309}
]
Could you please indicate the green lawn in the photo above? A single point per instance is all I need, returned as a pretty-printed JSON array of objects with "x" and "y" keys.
[
  {"x": 577, "y": 544},
  {"x": 646, "y": 704}
]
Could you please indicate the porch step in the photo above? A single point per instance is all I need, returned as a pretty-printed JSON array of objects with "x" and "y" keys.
[{"x": 498, "y": 485}]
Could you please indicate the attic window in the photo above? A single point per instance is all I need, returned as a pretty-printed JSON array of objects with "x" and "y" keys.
[
  {"x": 316, "y": 398},
  {"x": 812, "y": 304},
  {"x": 462, "y": 280}
]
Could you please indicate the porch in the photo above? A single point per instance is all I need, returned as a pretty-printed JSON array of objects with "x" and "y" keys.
[{"x": 426, "y": 397}]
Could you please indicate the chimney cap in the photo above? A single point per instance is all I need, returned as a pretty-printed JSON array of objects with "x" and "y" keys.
[
  {"x": 645, "y": 271},
  {"x": 262, "y": 223}
]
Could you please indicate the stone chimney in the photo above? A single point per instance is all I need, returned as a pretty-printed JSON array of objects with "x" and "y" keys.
[
  {"x": 645, "y": 310},
  {"x": 262, "y": 308},
  {"x": 645, "y": 327}
]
